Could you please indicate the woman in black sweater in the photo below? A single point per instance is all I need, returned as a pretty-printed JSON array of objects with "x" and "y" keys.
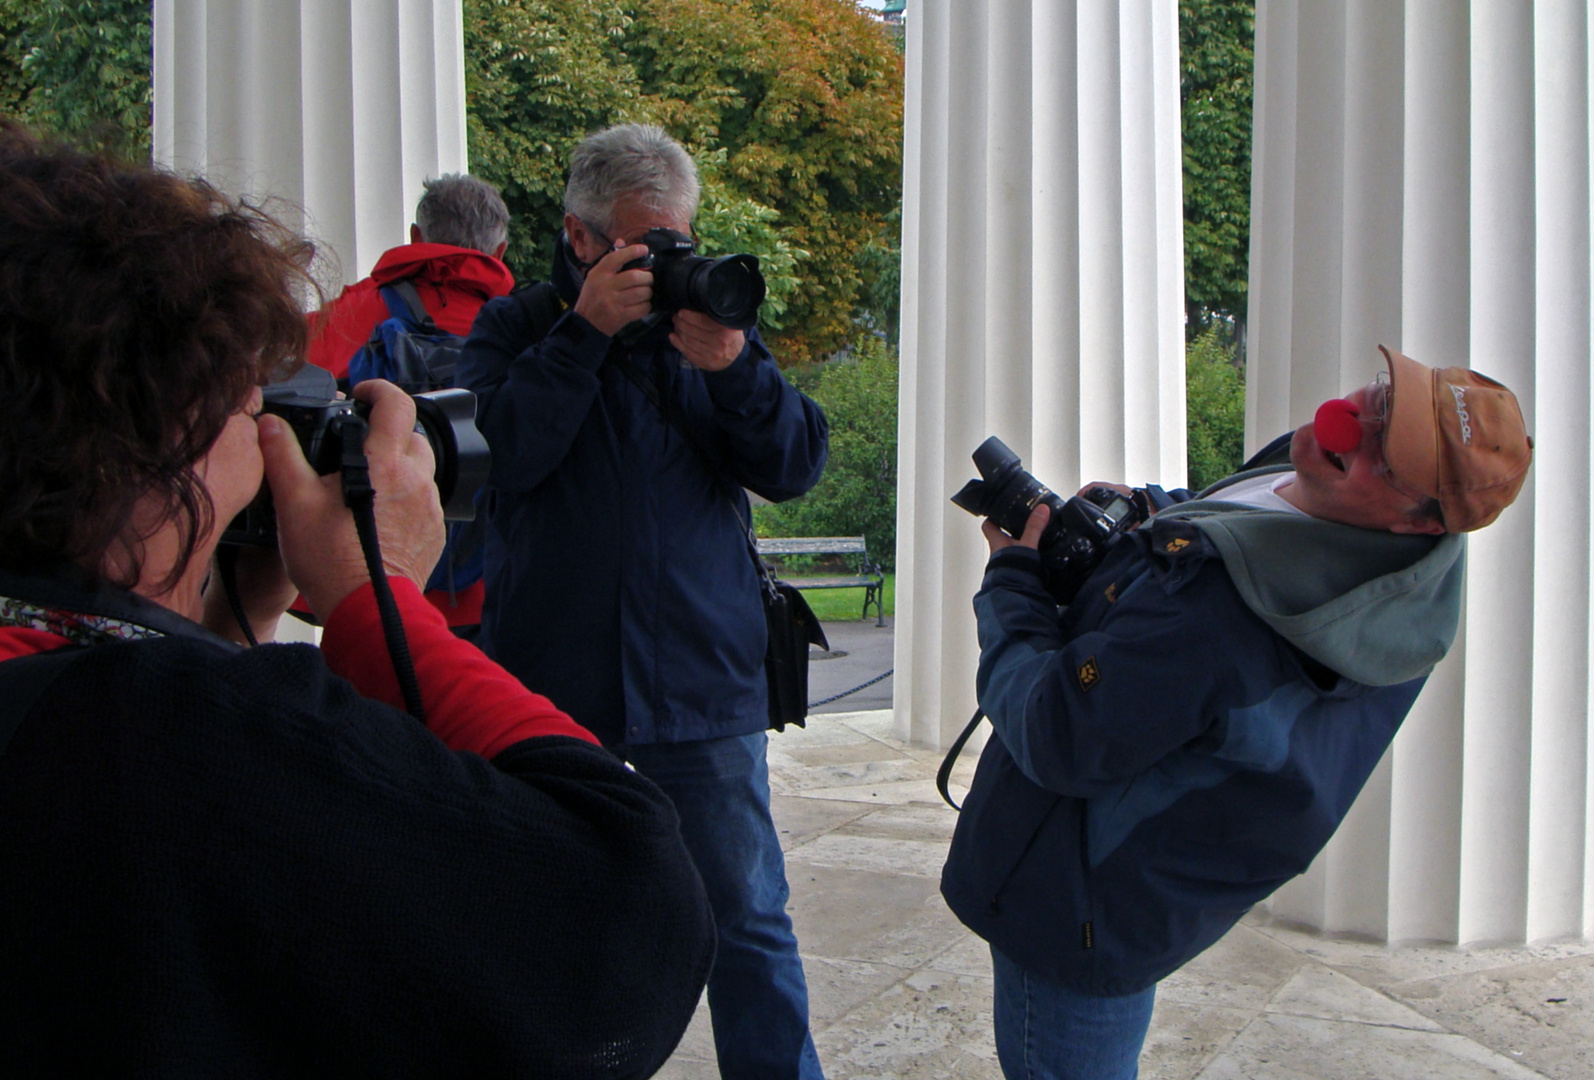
[{"x": 220, "y": 860}]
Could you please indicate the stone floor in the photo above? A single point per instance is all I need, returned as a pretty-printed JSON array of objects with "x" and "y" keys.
[{"x": 899, "y": 989}]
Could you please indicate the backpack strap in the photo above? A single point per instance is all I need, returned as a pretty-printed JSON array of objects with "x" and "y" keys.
[
  {"x": 404, "y": 302},
  {"x": 24, "y": 679}
]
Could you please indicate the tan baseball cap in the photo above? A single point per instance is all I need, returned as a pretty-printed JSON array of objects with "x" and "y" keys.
[{"x": 1456, "y": 436}]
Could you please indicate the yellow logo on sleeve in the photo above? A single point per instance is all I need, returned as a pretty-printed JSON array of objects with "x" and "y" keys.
[
  {"x": 1089, "y": 674},
  {"x": 1176, "y": 545}
]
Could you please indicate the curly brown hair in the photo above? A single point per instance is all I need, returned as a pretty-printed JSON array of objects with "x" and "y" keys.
[{"x": 137, "y": 310}]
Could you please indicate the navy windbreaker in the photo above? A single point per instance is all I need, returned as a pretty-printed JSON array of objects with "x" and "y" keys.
[
  {"x": 619, "y": 580},
  {"x": 1162, "y": 760}
]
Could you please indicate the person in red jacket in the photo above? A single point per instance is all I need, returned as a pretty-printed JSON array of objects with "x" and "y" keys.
[{"x": 454, "y": 261}]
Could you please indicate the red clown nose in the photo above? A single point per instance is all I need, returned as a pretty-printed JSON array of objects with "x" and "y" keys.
[{"x": 1337, "y": 426}]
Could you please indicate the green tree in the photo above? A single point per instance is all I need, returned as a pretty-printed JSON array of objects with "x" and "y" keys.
[
  {"x": 1215, "y": 43},
  {"x": 540, "y": 75},
  {"x": 80, "y": 69},
  {"x": 858, "y": 495},
  {"x": 1215, "y": 406},
  {"x": 880, "y": 267},
  {"x": 806, "y": 95},
  {"x": 793, "y": 109},
  {"x": 13, "y": 83},
  {"x": 728, "y": 222}
]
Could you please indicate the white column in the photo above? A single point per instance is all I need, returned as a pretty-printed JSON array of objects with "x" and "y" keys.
[
  {"x": 332, "y": 111},
  {"x": 1422, "y": 180},
  {"x": 1042, "y": 288},
  {"x": 338, "y": 108}
]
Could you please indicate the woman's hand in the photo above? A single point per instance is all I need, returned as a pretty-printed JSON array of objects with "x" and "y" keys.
[
  {"x": 264, "y": 591},
  {"x": 315, "y": 531}
]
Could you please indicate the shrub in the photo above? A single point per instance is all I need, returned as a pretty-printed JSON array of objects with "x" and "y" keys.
[
  {"x": 1214, "y": 406},
  {"x": 858, "y": 495}
]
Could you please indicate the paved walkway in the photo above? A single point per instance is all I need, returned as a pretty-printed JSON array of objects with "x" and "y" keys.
[{"x": 901, "y": 990}]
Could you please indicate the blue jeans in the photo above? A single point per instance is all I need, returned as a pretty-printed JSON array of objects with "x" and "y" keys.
[
  {"x": 757, "y": 996},
  {"x": 1045, "y": 1031}
]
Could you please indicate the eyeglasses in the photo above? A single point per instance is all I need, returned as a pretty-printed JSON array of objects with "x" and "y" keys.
[{"x": 1380, "y": 404}]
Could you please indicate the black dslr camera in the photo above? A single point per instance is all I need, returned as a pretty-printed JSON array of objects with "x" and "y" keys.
[
  {"x": 309, "y": 402},
  {"x": 728, "y": 289},
  {"x": 1080, "y": 529}
]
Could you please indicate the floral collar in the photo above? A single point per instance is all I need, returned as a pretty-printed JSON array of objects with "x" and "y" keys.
[{"x": 76, "y": 627}]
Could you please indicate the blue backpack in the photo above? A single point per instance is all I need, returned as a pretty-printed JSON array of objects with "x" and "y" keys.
[{"x": 412, "y": 351}]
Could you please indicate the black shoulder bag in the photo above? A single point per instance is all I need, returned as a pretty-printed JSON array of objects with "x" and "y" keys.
[{"x": 791, "y": 622}]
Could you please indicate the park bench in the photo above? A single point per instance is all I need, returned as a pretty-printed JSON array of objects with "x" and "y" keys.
[{"x": 867, "y": 575}]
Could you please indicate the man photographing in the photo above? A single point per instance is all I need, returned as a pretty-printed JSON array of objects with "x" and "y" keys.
[
  {"x": 1187, "y": 734},
  {"x": 620, "y": 572}
]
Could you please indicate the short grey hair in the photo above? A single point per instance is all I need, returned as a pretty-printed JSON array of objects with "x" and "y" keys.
[
  {"x": 638, "y": 160},
  {"x": 463, "y": 211}
]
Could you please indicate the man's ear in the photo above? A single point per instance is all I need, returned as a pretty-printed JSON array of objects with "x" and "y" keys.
[
  {"x": 1418, "y": 526},
  {"x": 583, "y": 241},
  {"x": 498, "y": 252},
  {"x": 415, "y": 235}
]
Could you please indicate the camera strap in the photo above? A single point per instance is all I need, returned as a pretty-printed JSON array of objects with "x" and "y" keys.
[{"x": 943, "y": 775}]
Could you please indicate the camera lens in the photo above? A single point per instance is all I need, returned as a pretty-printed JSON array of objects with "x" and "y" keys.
[
  {"x": 448, "y": 420},
  {"x": 729, "y": 290}
]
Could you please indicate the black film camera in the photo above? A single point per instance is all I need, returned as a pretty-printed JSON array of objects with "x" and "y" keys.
[
  {"x": 728, "y": 289},
  {"x": 1080, "y": 529},
  {"x": 309, "y": 402}
]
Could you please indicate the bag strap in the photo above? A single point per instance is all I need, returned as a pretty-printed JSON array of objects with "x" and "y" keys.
[
  {"x": 24, "y": 679},
  {"x": 943, "y": 775}
]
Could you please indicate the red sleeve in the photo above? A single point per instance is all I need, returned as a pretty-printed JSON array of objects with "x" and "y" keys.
[
  {"x": 471, "y": 703},
  {"x": 19, "y": 641}
]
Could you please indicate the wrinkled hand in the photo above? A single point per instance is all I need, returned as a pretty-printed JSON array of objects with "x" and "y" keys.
[
  {"x": 705, "y": 343},
  {"x": 315, "y": 531},
  {"x": 1033, "y": 528},
  {"x": 613, "y": 297}
]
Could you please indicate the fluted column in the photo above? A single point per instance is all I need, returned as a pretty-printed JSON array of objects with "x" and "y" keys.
[
  {"x": 1422, "y": 179},
  {"x": 334, "y": 111},
  {"x": 340, "y": 108},
  {"x": 1042, "y": 288}
]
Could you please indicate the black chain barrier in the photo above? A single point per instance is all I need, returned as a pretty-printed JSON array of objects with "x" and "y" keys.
[{"x": 854, "y": 690}]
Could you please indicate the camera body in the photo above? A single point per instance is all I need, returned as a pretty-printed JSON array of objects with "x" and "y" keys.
[
  {"x": 728, "y": 290},
  {"x": 309, "y": 402},
  {"x": 1080, "y": 530}
]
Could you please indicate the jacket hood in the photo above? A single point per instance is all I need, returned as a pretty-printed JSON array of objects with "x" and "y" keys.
[
  {"x": 446, "y": 267},
  {"x": 1375, "y": 607}
]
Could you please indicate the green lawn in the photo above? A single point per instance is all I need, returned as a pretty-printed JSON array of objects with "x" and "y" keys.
[{"x": 839, "y": 605}]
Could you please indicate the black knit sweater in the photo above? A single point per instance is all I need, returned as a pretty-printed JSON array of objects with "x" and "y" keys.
[{"x": 229, "y": 863}]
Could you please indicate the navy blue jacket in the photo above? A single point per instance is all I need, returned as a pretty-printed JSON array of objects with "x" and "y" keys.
[
  {"x": 620, "y": 582},
  {"x": 1183, "y": 738}
]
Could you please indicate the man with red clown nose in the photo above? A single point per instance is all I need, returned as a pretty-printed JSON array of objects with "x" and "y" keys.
[{"x": 1186, "y": 735}]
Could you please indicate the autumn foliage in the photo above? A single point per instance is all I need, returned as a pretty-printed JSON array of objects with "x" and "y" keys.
[{"x": 792, "y": 107}]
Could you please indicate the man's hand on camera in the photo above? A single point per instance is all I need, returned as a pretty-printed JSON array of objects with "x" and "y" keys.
[
  {"x": 315, "y": 531},
  {"x": 705, "y": 343},
  {"x": 612, "y": 296},
  {"x": 1033, "y": 528}
]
